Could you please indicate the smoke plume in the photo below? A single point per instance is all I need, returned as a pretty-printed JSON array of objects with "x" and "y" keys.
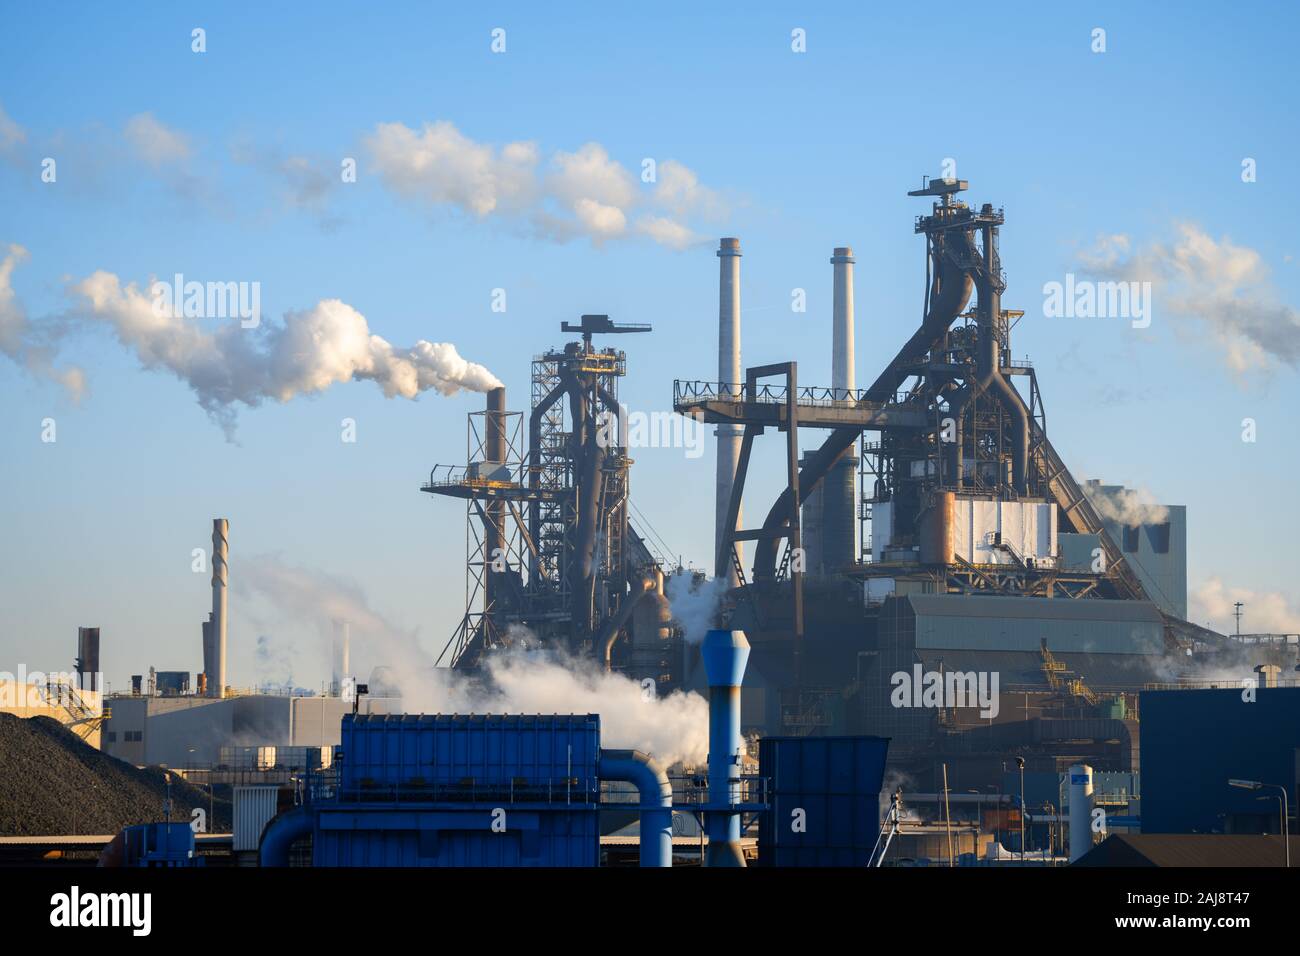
[
  {"x": 1264, "y": 612},
  {"x": 694, "y": 603},
  {"x": 23, "y": 342},
  {"x": 304, "y": 354},
  {"x": 1225, "y": 287},
  {"x": 521, "y": 680},
  {"x": 1132, "y": 507}
]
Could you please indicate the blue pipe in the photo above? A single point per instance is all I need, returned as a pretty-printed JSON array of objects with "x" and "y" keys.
[
  {"x": 725, "y": 655},
  {"x": 632, "y": 766},
  {"x": 281, "y": 833}
]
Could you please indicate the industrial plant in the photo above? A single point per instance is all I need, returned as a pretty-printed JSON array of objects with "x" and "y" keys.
[{"x": 937, "y": 646}]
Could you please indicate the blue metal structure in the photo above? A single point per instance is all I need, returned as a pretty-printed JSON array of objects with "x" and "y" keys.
[
  {"x": 725, "y": 655},
  {"x": 824, "y": 795},
  {"x": 157, "y": 844},
  {"x": 656, "y": 795},
  {"x": 1194, "y": 741}
]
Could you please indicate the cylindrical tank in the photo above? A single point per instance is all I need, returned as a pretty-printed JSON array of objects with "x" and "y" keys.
[
  {"x": 810, "y": 534},
  {"x": 1080, "y": 810},
  {"x": 725, "y": 654}
]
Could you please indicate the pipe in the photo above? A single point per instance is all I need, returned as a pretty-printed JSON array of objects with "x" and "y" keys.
[
  {"x": 281, "y": 833},
  {"x": 729, "y": 373},
  {"x": 725, "y": 655},
  {"x": 633, "y": 766},
  {"x": 220, "y": 583},
  {"x": 609, "y": 633}
]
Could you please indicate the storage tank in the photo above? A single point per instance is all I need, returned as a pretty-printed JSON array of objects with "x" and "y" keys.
[{"x": 1080, "y": 810}]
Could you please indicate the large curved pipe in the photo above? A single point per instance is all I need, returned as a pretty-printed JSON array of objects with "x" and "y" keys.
[
  {"x": 651, "y": 780},
  {"x": 949, "y": 291},
  {"x": 609, "y": 634},
  {"x": 281, "y": 833}
]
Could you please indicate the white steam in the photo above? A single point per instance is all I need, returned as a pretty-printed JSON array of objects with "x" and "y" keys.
[
  {"x": 1263, "y": 612},
  {"x": 694, "y": 603},
  {"x": 305, "y": 354},
  {"x": 1132, "y": 507},
  {"x": 521, "y": 680}
]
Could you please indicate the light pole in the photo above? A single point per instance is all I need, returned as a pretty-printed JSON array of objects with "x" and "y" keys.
[
  {"x": 1020, "y": 762},
  {"x": 1286, "y": 813}
]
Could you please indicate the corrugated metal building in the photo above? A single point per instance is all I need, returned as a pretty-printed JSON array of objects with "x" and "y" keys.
[
  {"x": 1106, "y": 643},
  {"x": 475, "y": 790}
]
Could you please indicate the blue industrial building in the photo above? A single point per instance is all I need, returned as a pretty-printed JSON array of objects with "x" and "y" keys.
[{"x": 1195, "y": 741}]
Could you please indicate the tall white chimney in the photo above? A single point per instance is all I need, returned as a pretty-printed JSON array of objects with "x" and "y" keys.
[
  {"x": 728, "y": 373},
  {"x": 842, "y": 376},
  {"x": 220, "y": 580},
  {"x": 839, "y": 504}
]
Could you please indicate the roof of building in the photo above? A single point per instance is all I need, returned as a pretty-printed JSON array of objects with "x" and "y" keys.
[{"x": 1190, "y": 849}]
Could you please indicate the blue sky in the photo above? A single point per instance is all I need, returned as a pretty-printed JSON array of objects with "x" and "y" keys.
[{"x": 795, "y": 153}]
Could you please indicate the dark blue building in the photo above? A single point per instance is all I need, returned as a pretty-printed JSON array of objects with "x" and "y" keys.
[{"x": 1194, "y": 741}]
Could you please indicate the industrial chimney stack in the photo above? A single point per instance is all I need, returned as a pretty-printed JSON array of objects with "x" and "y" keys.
[
  {"x": 220, "y": 580},
  {"x": 839, "y": 516},
  {"x": 728, "y": 374}
]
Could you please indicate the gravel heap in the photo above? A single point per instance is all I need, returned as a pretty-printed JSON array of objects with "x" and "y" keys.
[{"x": 52, "y": 783}]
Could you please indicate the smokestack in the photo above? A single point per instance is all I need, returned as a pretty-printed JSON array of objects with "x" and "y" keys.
[
  {"x": 729, "y": 374},
  {"x": 494, "y": 450},
  {"x": 725, "y": 655},
  {"x": 220, "y": 581},
  {"x": 209, "y": 665},
  {"x": 839, "y": 522}
]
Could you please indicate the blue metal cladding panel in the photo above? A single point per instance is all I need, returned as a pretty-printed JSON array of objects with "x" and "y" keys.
[
  {"x": 835, "y": 782},
  {"x": 359, "y": 835},
  {"x": 1195, "y": 741},
  {"x": 489, "y": 750}
]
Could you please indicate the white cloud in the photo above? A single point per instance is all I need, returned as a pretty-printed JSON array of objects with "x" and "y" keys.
[
  {"x": 156, "y": 143},
  {"x": 1224, "y": 286},
  {"x": 442, "y": 166},
  {"x": 580, "y": 194},
  {"x": 1265, "y": 612}
]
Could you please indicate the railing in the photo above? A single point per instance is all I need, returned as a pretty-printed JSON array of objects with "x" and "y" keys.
[
  {"x": 456, "y": 476},
  {"x": 561, "y": 790},
  {"x": 685, "y": 392}
]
